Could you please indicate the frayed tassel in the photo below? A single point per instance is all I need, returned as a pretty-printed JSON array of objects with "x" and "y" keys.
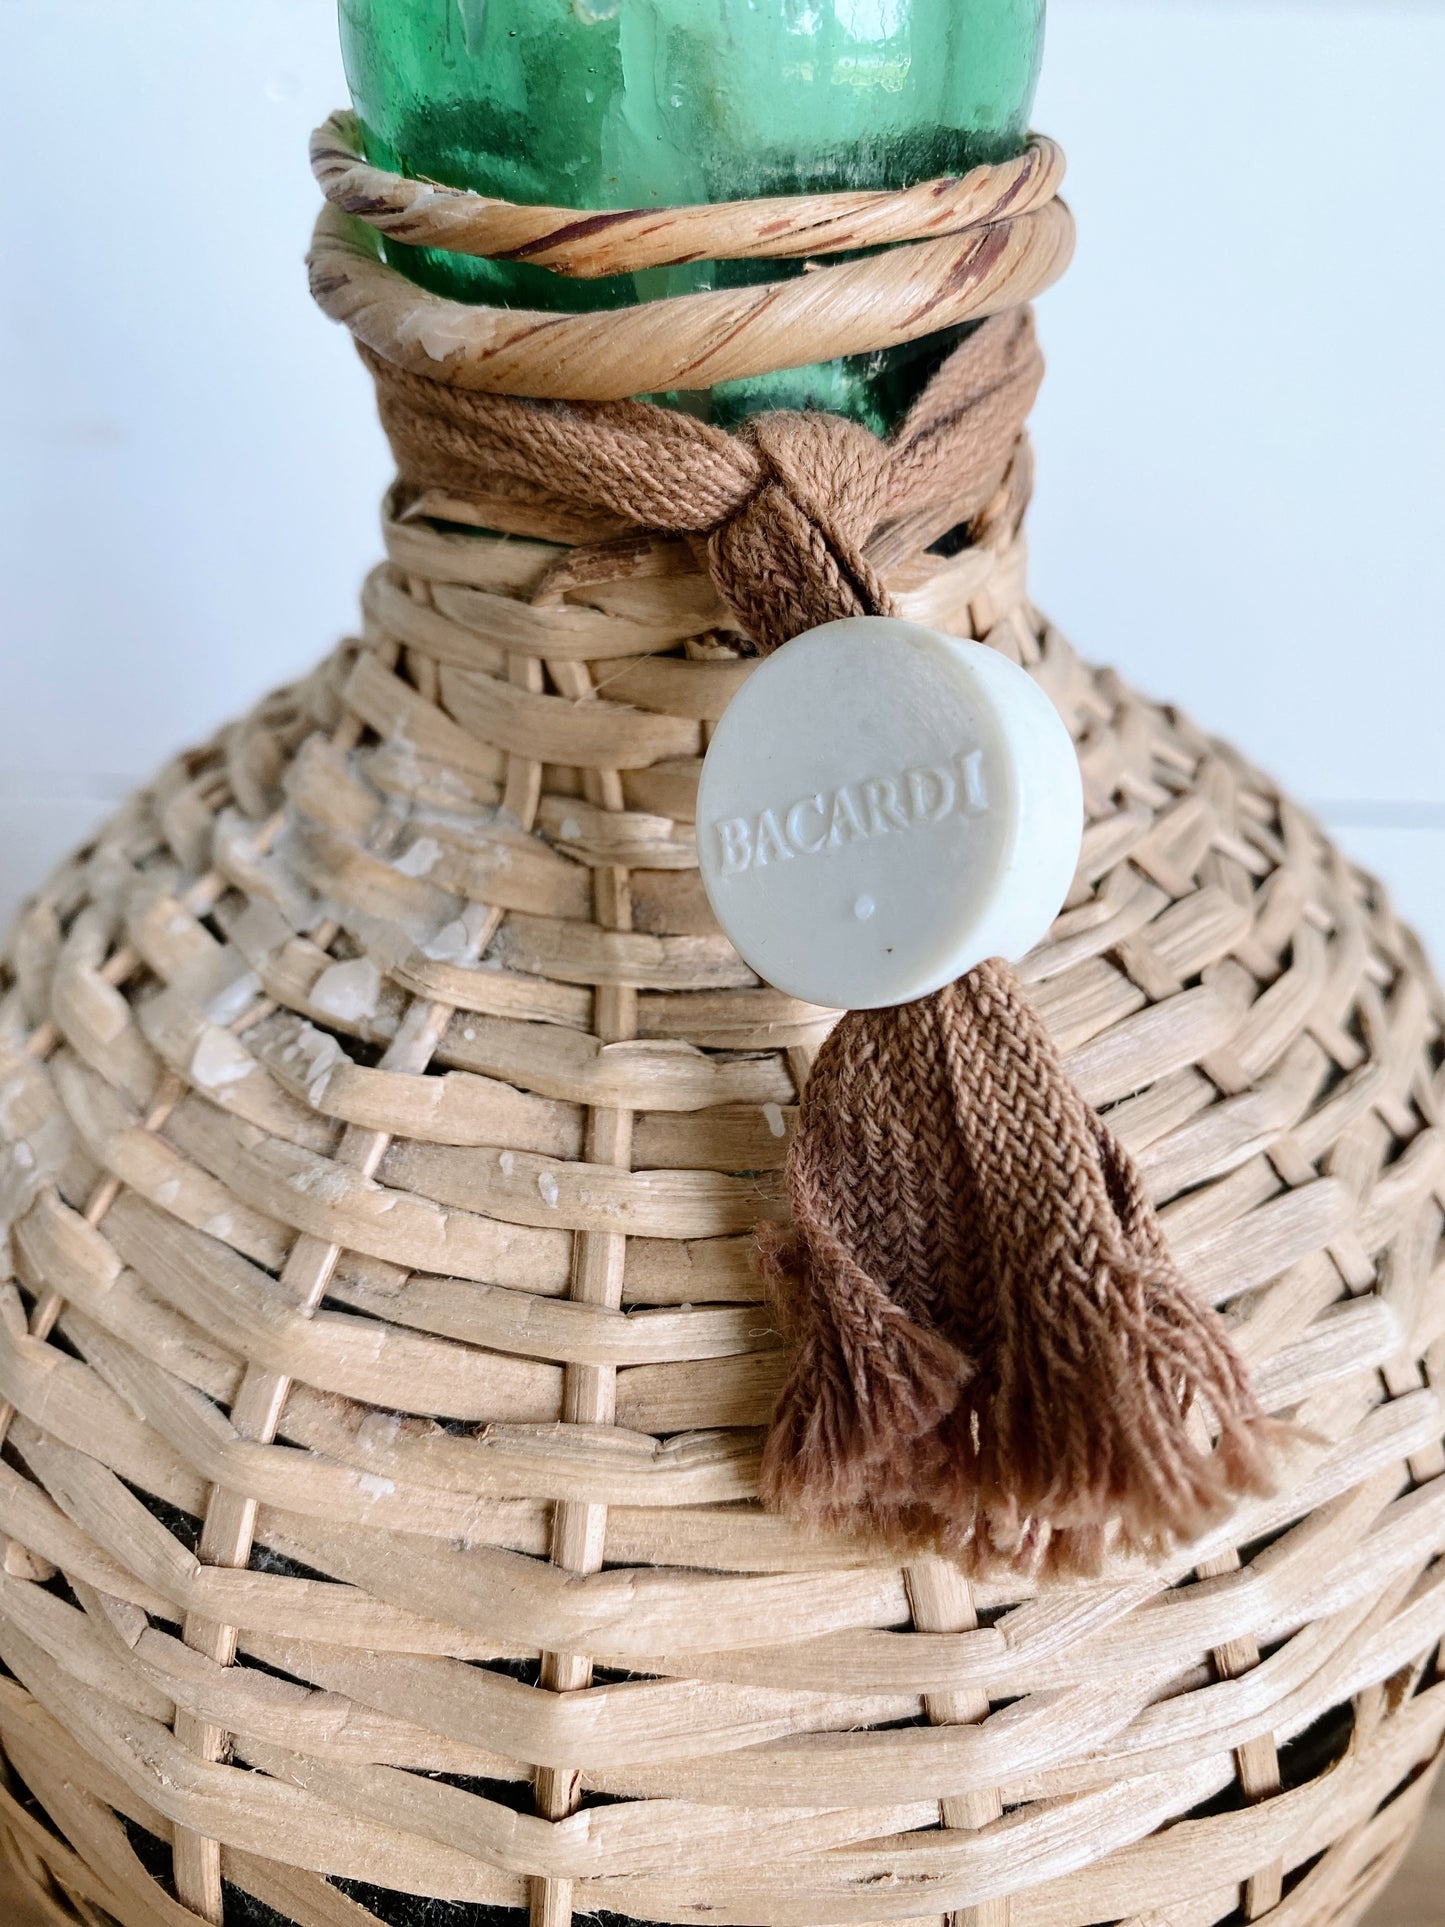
[
  {"x": 994, "y": 1355},
  {"x": 866, "y": 1395}
]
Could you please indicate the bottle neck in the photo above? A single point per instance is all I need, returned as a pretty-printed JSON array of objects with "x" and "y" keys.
[{"x": 635, "y": 103}]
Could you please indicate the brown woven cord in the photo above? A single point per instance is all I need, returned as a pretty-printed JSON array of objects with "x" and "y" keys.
[
  {"x": 992, "y": 1348},
  {"x": 586, "y": 242},
  {"x": 788, "y": 507},
  {"x": 962, "y": 1218}
]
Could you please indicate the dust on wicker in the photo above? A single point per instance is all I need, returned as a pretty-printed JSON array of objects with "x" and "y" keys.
[{"x": 386, "y": 1371}]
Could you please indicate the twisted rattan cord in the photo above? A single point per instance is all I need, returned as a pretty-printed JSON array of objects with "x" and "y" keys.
[
  {"x": 588, "y": 243},
  {"x": 691, "y": 340}
]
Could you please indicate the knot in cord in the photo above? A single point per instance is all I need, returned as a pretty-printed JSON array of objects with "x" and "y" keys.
[
  {"x": 785, "y": 511},
  {"x": 793, "y": 555}
]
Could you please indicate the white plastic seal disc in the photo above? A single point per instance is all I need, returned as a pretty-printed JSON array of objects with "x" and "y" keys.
[{"x": 881, "y": 808}]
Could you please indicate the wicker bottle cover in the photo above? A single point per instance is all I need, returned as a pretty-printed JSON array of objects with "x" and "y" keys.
[{"x": 387, "y": 1127}]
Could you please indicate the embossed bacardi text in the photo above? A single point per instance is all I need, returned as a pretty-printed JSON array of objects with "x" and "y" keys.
[{"x": 829, "y": 820}]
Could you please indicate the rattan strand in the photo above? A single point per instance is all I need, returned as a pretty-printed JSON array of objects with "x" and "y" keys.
[
  {"x": 410, "y": 1239},
  {"x": 586, "y": 243},
  {"x": 1016, "y": 243}
]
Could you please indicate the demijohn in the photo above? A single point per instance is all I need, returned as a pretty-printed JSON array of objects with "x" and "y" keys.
[{"x": 429, "y": 1494}]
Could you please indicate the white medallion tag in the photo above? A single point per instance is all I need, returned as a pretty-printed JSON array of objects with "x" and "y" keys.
[{"x": 882, "y": 807}]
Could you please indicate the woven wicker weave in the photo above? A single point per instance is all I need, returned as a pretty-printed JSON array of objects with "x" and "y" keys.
[{"x": 406, "y": 1244}]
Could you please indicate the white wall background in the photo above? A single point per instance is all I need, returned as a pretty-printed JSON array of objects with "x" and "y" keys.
[{"x": 1242, "y": 491}]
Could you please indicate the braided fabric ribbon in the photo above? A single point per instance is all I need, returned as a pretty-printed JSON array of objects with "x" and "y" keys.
[
  {"x": 992, "y": 1353},
  {"x": 786, "y": 511}
]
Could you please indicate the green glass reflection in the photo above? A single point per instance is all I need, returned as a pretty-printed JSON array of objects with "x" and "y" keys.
[{"x": 630, "y": 103}]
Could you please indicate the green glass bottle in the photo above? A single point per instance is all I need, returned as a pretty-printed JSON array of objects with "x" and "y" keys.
[{"x": 635, "y": 103}]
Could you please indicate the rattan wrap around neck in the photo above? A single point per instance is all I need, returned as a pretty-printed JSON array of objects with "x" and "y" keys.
[
  {"x": 993, "y": 1352},
  {"x": 960, "y": 250},
  {"x": 589, "y": 243}
]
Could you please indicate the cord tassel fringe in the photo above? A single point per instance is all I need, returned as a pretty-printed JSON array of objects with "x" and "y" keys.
[{"x": 993, "y": 1354}]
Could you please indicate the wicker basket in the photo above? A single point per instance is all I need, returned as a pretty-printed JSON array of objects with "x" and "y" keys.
[{"x": 386, "y": 1368}]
